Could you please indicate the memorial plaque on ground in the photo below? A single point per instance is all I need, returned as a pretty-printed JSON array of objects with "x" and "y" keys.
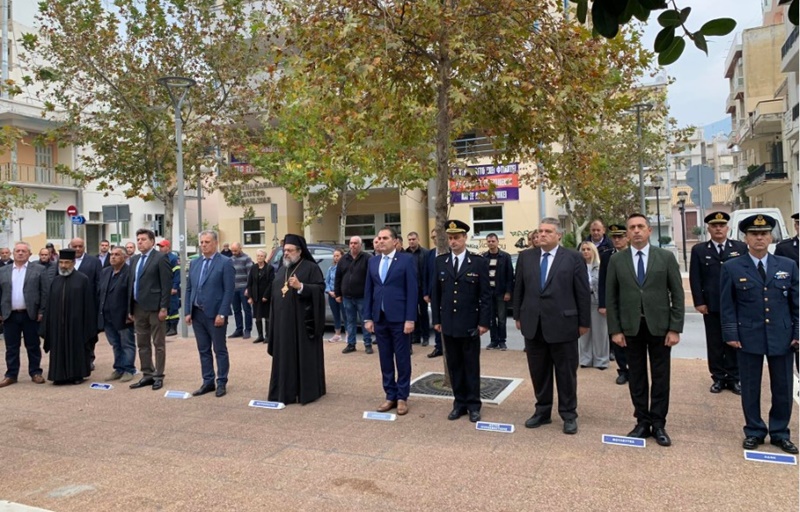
[{"x": 635, "y": 442}]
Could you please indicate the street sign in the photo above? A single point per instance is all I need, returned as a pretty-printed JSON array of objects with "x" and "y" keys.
[
  {"x": 115, "y": 238},
  {"x": 78, "y": 220},
  {"x": 72, "y": 210},
  {"x": 700, "y": 178}
]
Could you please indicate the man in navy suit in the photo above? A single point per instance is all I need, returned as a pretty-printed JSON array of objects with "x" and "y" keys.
[
  {"x": 760, "y": 318},
  {"x": 390, "y": 309},
  {"x": 209, "y": 293},
  {"x": 789, "y": 248}
]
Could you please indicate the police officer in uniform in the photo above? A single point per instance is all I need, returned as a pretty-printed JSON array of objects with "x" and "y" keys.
[
  {"x": 460, "y": 303},
  {"x": 759, "y": 308},
  {"x": 704, "y": 271},
  {"x": 789, "y": 248}
]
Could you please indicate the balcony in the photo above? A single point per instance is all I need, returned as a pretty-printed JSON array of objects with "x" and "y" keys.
[
  {"x": 734, "y": 54},
  {"x": 766, "y": 178},
  {"x": 790, "y": 123},
  {"x": 36, "y": 176},
  {"x": 767, "y": 118},
  {"x": 789, "y": 53}
]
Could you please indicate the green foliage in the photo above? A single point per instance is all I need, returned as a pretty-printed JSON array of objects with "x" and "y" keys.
[
  {"x": 568, "y": 240},
  {"x": 665, "y": 240}
]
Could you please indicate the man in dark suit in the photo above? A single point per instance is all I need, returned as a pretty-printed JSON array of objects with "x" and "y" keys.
[
  {"x": 23, "y": 299},
  {"x": 598, "y": 237},
  {"x": 89, "y": 266},
  {"x": 428, "y": 272},
  {"x": 789, "y": 248},
  {"x": 645, "y": 311},
  {"x": 552, "y": 308},
  {"x": 390, "y": 309},
  {"x": 501, "y": 285},
  {"x": 113, "y": 315},
  {"x": 461, "y": 307},
  {"x": 759, "y": 309},
  {"x": 704, "y": 272},
  {"x": 422, "y": 326},
  {"x": 104, "y": 255},
  {"x": 619, "y": 238},
  {"x": 5, "y": 256},
  {"x": 209, "y": 292},
  {"x": 150, "y": 284}
]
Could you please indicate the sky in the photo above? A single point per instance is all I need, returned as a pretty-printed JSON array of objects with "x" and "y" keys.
[{"x": 700, "y": 90}]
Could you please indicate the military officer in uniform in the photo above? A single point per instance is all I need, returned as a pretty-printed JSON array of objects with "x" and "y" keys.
[
  {"x": 461, "y": 308},
  {"x": 619, "y": 239},
  {"x": 789, "y": 248},
  {"x": 704, "y": 271},
  {"x": 760, "y": 318}
]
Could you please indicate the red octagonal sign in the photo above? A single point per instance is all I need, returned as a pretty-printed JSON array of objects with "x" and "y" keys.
[{"x": 72, "y": 210}]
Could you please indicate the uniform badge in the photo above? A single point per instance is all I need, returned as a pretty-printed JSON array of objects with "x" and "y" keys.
[
  {"x": 472, "y": 274},
  {"x": 742, "y": 279},
  {"x": 733, "y": 254},
  {"x": 708, "y": 257},
  {"x": 781, "y": 275}
]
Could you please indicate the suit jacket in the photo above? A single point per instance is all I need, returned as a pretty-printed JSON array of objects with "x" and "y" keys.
[
  {"x": 112, "y": 295},
  {"x": 660, "y": 299},
  {"x": 35, "y": 290},
  {"x": 761, "y": 315},
  {"x": 397, "y": 295},
  {"x": 104, "y": 263},
  {"x": 562, "y": 306},
  {"x": 503, "y": 275},
  {"x": 155, "y": 285},
  {"x": 91, "y": 268},
  {"x": 460, "y": 303},
  {"x": 215, "y": 293},
  {"x": 705, "y": 268},
  {"x": 789, "y": 249}
]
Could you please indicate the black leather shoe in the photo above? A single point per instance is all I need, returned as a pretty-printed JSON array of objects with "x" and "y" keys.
[
  {"x": 641, "y": 431},
  {"x": 436, "y": 353},
  {"x": 368, "y": 349},
  {"x": 571, "y": 426},
  {"x": 158, "y": 384},
  {"x": 205, "y": 388},
  {"x": 221, "y": 391},
  {"x": 171, "y": 332},
  {"x": 259, "y": 340},
  {"x": 236, "y": 334},
  {"x": 144, "y": 381},
  {"x": 752, "y": 442},
  {"x": 455, "y": 414},
  {"x": 349, "y": 348},
  {"x": 474, "y": 416},
  {"x": 736, "y": 388},
  {"x": 784, "y": 444},
  {"x": 537, "y": 421},
  {"x": 661, "y": 436},
  {"x": 425, "y": 343},
  {"x": 622, "y": 378},
  {"x": 716, "y": 387}
]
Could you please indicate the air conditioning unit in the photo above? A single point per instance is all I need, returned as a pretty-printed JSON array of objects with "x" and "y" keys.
[{"x": 148, "y": 217}]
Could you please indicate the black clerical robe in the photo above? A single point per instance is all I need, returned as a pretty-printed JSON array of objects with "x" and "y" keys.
[
  {"x": 296, "y": 325},
  {"x": 69, "y": 326}
]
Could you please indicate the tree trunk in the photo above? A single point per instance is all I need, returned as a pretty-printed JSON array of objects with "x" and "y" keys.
[
  {"x": 169, "y": 215},
  {"x": 343, "y": 214}
]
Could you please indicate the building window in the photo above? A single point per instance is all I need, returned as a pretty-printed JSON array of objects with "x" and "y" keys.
[
  {"x": 253, "y": 231},
  {"x": 55, "y": 223},
  {"x": 44, "y": 163},
  {"x": 392, "y": 220},
  {"x": 487, "y": 219},
  {"x": 359, "y": 225},
  {"x": 125, "y": 228}
]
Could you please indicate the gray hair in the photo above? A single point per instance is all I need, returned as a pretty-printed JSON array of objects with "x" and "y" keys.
[
  {"x": 211, "y": 232},
  {"x": 360, "y": 242},
  {"x": 553, "y": 222},
  {"x": 262, "y": 251},
  {"x": 26, "y": 244}
]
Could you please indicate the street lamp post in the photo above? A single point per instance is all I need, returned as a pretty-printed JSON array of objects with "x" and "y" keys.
[
  {"x": 178, "y": 87},
  {"x": 657, "y": 186},
  {"x": 639, "y": 107},
  {"x": 682, "y": 207}
]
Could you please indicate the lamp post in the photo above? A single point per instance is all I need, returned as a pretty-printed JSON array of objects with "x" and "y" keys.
[
  {"x": 657, "y": 186},
  {"x": 638, "y": 108},
  {"x": 178, "y": 87},
  {"x": 682, "y": 207}
]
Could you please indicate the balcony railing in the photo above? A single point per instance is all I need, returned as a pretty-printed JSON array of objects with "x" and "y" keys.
[
  {"x": 34, "y": 174},
  {"x": 767, "y": 172},
  {"x": 790, "y": 40}
]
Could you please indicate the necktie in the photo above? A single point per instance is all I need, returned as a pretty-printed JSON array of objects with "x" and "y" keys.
[
  {"x": 761, "y": 271},
  {"x": 139, "y": 272},
  {"x": 640, "y": 268},
  {"x": 720, "y": 248},
  {"x": 384, "y": 268},
  {"x": 203, "y": 269},
  {"x": 543, "y": 269},
  {"x": 455, "y": 265}
]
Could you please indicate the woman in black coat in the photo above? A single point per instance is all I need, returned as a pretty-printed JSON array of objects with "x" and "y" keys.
[{"x": 259, "y": 284}]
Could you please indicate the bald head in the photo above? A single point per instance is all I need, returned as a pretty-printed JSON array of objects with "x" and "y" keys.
[
  {"x": 236, "y": 248},
  {"x": 79, "y": 246}
]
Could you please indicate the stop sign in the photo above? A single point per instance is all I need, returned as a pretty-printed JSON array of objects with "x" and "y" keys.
[{"x": 72, "y": 210}]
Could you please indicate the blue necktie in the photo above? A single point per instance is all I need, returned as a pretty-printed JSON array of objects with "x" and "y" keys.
[
  {"x": 200, "y": 282},
  {"x": 384, "y": 268},
  {"x": 543, "y": 276},
  {"x": 640, "y": 268},
  {"x": 139, "y": 272}
]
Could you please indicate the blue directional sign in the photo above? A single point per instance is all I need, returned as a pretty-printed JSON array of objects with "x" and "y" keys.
[
  {"x": 380, "y": 416},
  {"x": 101, "y": 386},
  {"x": 263, "y": 404},
  {"x": 774, "y": 458},
  {"x": 486, "y": 426},
  {"x": 78, "y": 220},
  {"x": 180, "y": 395},
  {"x": 634, "y": 442},
  {"x": 700, "y": 178}
]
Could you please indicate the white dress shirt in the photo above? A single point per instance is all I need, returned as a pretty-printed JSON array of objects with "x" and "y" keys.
[
  {"x": 645, "y": 254},
  {"x": 17, "y": 286}
]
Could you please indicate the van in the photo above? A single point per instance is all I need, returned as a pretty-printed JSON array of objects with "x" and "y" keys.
[{"x": 778, "y": 233}]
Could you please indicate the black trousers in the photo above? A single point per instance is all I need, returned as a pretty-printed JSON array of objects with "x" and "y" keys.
[
  {"x": 621, "y": 357},
  {"x": 780, "y": 385},
  {"x": 650, "y": 397},
  {"x": 722, "y": 358},
  {"x": 463, "y": 362},
  {"x": 422, "y": 327},
  {"x": 545, "y": 360}
]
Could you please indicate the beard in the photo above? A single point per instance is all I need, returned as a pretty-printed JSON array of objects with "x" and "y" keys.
[
  {"x": 65, "y": 271},
  {"x": 289, "y": 260}
]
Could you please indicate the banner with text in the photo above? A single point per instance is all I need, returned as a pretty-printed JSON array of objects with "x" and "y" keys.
[{"x": 474, "y": 183}]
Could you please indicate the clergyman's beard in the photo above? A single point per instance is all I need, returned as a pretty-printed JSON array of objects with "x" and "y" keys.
[
  {"x": 289, "y": 260},
  {"x": 65, "y": 271}
]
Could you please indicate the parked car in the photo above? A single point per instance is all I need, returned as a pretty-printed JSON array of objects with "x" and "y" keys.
[{"x": 779, "y": 232}]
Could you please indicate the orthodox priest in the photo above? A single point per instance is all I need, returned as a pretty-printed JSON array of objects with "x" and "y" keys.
[
  {"x": 70, "y": 324},
  {"x": 297, "y": 320}
]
